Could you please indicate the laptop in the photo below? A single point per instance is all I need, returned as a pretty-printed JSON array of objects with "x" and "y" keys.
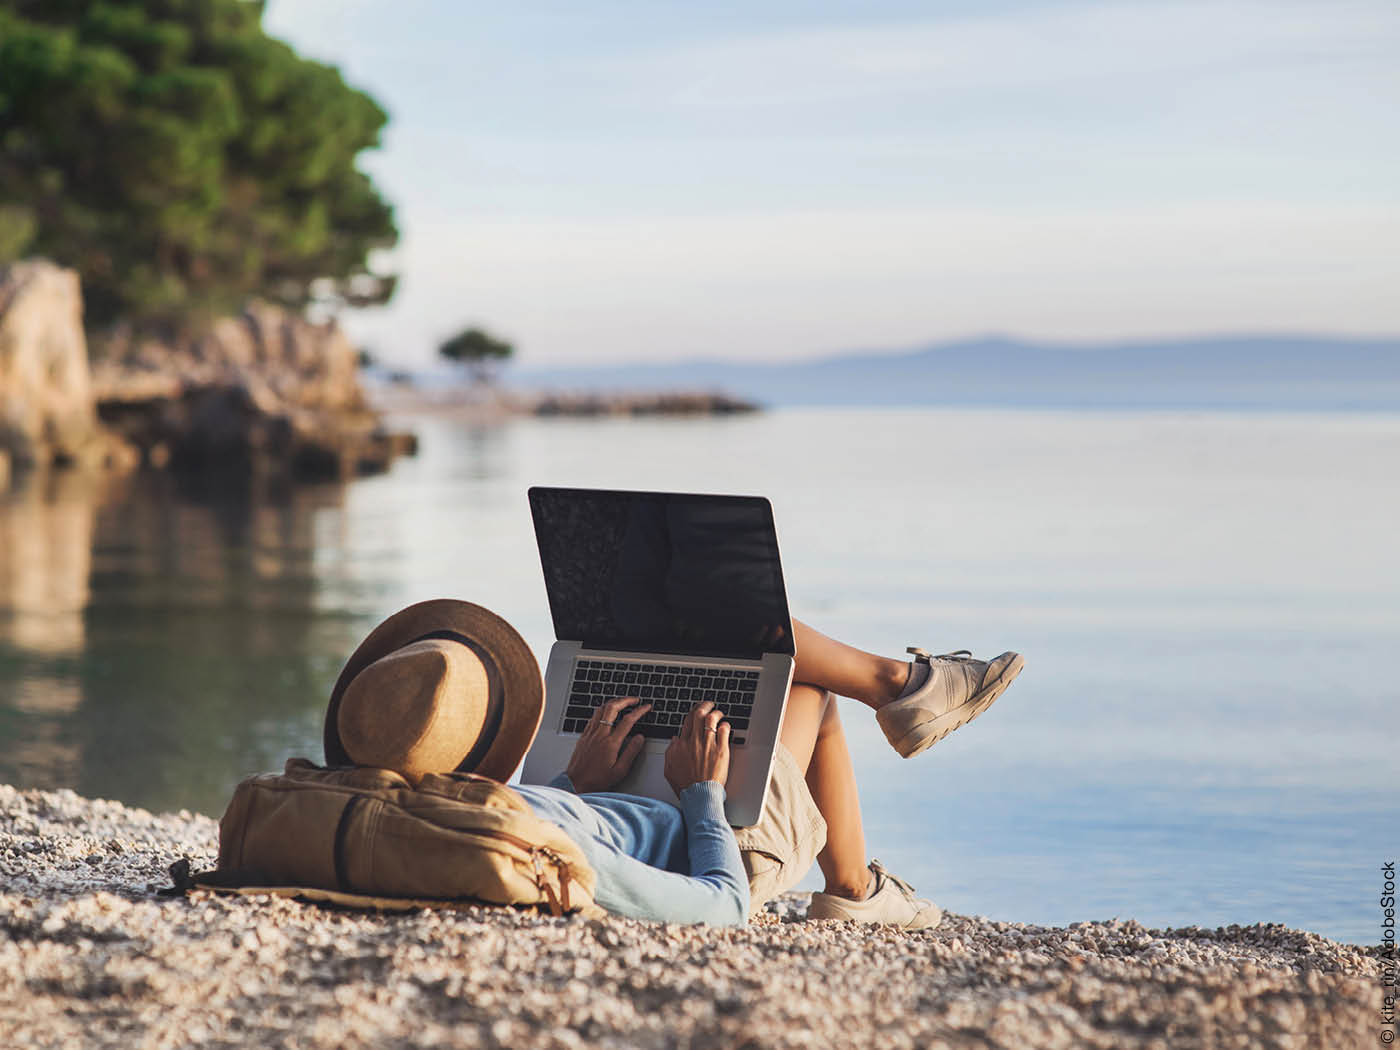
[{"x": 673, "y": 597}]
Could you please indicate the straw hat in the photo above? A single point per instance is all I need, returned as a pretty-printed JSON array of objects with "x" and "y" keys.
[{"x": 442, "y": 685}]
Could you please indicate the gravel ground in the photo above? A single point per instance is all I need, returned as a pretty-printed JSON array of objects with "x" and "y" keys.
[{"x": 89, "y": 957}]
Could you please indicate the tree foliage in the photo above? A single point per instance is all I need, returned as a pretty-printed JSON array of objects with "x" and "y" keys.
[
  {"x": 478, "y": 350},
  {"x": 182, "y": 160}
]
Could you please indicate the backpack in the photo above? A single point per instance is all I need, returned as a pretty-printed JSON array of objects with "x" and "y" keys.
[{"x": 368, "y": 838}]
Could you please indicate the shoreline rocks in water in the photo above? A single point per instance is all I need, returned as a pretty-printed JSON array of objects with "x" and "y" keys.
[
  {"x": 90, "y": 957},
  {"x": 265, "y": 395},
  {"x": 664, "y": 403},
  {"x": 494, "y": 404}
]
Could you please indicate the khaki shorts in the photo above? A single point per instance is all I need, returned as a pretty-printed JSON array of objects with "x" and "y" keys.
[{"x": 780, "y": 848}]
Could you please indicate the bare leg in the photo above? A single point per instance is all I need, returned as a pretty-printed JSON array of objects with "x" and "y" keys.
[
  {"x": 846, "y": 670},
  {"x": 802, "y": 721},
  {"x": 812, "y": 732},
  {"x": 832, "y": 780}
]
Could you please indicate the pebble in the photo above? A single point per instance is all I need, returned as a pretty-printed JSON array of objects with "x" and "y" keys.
[{"x": 90, "y": 957}]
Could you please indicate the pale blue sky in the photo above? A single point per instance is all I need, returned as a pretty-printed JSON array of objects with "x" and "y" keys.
[{"x": 626, "y": 180}]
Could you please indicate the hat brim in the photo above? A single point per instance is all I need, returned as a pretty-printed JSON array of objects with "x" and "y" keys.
[{"x": 517, "y": 670}]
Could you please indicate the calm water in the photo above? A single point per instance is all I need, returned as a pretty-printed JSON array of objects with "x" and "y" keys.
[{"x": 1208, "y": 605}]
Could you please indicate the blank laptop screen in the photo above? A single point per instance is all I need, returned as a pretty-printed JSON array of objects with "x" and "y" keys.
[{"x": 663, "y": 572}]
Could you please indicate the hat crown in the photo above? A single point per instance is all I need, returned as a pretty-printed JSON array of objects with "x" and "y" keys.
[
  {"x": 477, "y": 656},
  {"x": 416, "y": 710}
]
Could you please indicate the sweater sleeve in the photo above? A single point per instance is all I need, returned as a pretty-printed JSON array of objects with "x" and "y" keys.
[
  {"x": 713, "y": 887},
  {"x": 715, "y": 892},
  {"x": 714, "y": 852}
]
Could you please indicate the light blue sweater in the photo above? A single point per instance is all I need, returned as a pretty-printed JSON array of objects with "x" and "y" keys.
[{"x": 654, "y": 861}]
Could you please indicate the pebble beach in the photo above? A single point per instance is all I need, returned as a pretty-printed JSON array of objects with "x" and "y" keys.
[{"x": 91, "y": 956}]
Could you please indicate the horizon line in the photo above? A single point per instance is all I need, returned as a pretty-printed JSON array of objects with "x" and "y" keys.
[{"x": 1093, "y": 345}]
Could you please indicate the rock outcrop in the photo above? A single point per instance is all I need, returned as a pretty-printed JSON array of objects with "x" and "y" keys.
[
  {"x": 284, "y": 362},
  {"x": 266, "y": 394},
  {"x": 46, "y": 403},
  {"x": 263, "y": 395}
]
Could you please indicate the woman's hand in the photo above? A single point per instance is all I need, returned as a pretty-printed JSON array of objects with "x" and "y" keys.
[
  {"x": 700, "y": 751},
  {"x": 604, "y": 753}
]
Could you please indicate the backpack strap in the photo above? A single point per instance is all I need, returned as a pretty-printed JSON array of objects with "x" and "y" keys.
[
  {"x": 558, "y": 903},
  {"x": 181, "y": 877}
]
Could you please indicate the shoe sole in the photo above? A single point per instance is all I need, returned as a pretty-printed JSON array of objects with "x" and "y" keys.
[
  {"x": 924, "y": 735},
  {"x": 927, "y": 919}
]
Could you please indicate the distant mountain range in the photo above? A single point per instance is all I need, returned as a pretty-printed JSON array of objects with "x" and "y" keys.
[{"x": 1237, "y": 372}]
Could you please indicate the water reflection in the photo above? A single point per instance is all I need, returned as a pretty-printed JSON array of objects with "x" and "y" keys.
[
  {"x": 157, "y": 641},
  {"x": 160, "y": 639},
  {"x": 46, "y": 528}
]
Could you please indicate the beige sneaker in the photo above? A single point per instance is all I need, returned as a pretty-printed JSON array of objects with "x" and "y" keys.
[
  {"x": 892, "y": 900},
  {"x": 957, "y": 690}
]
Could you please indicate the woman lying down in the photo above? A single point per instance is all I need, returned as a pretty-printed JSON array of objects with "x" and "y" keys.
[{"x": 447, "y": 685}]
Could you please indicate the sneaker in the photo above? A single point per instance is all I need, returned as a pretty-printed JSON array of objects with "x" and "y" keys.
[
  {"x": 957, "y": 690},
  {"x": 891, "y": 900}
]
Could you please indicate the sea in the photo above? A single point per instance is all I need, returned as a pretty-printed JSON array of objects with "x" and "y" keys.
[{"x": 1208, "y": 603}]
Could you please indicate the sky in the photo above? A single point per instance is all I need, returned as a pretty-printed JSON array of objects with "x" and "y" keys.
[{"x": 623, "y": 180}]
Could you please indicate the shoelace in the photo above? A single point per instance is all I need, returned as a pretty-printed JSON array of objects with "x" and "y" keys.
[
  {"x": 881, "y": 873},
  {"x": 957, "y": 654}
]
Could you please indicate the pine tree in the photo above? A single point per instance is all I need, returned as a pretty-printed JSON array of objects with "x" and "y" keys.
[{"x": 181, "y": 160}]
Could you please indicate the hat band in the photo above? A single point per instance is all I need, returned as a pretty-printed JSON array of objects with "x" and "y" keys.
[{"x": 495, "y": 706}]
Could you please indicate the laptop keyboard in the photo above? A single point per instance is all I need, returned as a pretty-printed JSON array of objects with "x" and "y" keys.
[{"x": 671, "y": 689}]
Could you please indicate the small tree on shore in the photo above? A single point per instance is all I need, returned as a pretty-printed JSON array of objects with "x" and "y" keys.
[{"x": 477, "y": 350}]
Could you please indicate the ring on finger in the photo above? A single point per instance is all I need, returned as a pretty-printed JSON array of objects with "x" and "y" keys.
[{"x": 607, "y": 723}]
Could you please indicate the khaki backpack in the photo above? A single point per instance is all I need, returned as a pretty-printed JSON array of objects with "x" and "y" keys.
[{"x": 368, "y": 838}]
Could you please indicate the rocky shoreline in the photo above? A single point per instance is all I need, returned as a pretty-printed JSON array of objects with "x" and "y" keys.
[
  {"x": 497, "y": 404},
  {"x": 90, "y": 956},
  {"x": 262, "y": 396}
]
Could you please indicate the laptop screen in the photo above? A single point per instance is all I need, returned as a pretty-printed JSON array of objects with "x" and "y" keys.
[{"x": 663, "y": 572}]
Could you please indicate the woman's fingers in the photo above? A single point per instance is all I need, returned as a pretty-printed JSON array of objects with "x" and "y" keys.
[
  {"x": 607, "y": 715},
  {"x": 697, "y": 713},
  {"x": 700, "y": 751},
  {"x": 627, "y": 721},
  {"x": 704, "y": 718},
  {"x": 628, "y": 754}
]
